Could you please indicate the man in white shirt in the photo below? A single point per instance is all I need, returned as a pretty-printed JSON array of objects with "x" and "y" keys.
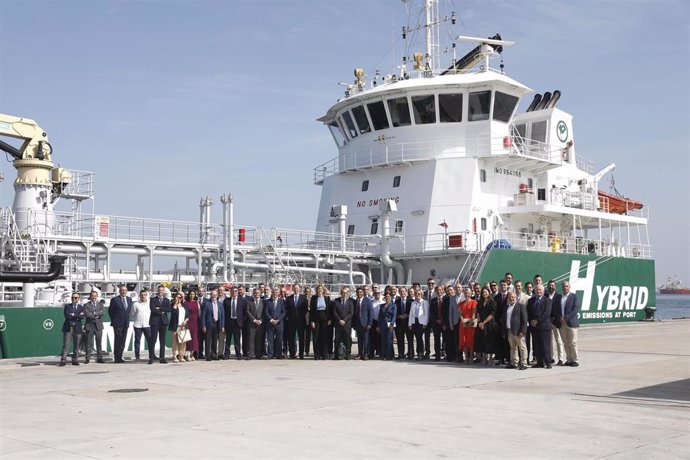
[{"x": 140, "y": 316}]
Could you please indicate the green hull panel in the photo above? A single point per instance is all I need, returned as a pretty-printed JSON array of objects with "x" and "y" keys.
[
  {"x": 609, "y": 288},
  {"x": 26, "y": 332}
]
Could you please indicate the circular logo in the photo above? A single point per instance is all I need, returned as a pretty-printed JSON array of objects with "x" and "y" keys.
[
  {"x": 3, "y": 325},
  {"x": 562, "y": 131},
  {"x": 48, "y": 324}
]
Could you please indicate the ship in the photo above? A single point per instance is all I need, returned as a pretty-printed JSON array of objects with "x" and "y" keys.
[
  {"x": 673, "y": 286},
  {"x": 436, "y": 174}
]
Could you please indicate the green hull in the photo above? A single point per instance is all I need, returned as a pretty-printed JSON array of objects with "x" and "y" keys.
[
  {"x": 26, "y": 332},
  {"x": 609, "y": 288}
]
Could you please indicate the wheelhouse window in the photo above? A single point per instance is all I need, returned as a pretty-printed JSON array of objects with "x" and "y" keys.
[
  {"x": 396, "y": 181},
  {"x": 539, "y": 131},
  {"x": 504, "y": 104},
  {"x": 361, "y": 119},
  {"x": 479, "y": 105},
  {"x": 424, "y": 108},
  {"x": 352, "y": 131},
  {"x": 365, "y": 185},
  {"x": 377, "y": 112},
  {"x": 483, "y": 223},
  {"x": 351, "y": 229},
  {"x": 400, "y": 111},
  {"x": 338, "y": 135},
  {"x": 482, "y": 175},
  {"x": 450, "y": 108}
]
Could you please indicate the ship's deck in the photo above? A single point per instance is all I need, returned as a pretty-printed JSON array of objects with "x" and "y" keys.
[{"x": 630, "y": 398}]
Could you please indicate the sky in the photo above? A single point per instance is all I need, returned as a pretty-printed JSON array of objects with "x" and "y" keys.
[{"x": 169, "y": 100}]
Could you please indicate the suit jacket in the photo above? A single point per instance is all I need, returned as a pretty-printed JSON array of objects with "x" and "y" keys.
[
  {"x": 255, "y": 310},
  {"x": 73, "y": 316},
  {"x": 159, "y": 311},
  {"x": 344, "y": 311},
  {"x": 540, "y": 311},
  {"x": 453, "y": 313},
  {"x": 119, "y": 311},
  {"x": 296, "y": 309},
  {"x": 433, "y": 310},
  {"x": 572, "y": 306},
  {"x": 175, "y": 316},
  {"x": 402, "y": 307},
  {"x": 93, "y": 311},
  {"x": 500, "y": 306},
  {"x": 313, "y": 316},
  {"x": 518, "y": 320},
  {"x": 207, "y": 307},
  {"x": 240, "y": 310},
  {"x": 274, "y": 309},
  {"x": 387, "y": 314},
  {"x": 366, "y": 313}
]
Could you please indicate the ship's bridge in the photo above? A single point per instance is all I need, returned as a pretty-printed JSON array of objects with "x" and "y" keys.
[{"x": 419, "y": 119}]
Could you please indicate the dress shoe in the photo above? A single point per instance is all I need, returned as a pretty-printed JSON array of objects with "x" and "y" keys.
[
  {"x": 86, "y": 361},
  {"x": 163, "y": 361},
  {"x": 366, "y": 358},
  {"x": 548, "y": 366},
  {"x": 100, "y": 361},
  {"x": 119, "y": 361},
  {"x": 150, "y": 361},
  {"x": 438, "y": 358},
  {"x": 574, "y": 364},
  {"x": 75, "y": 363},
  {"x": 538, "y": 366},
  {"x": 510, "y": 366},
  {"x": 62, "y": 363},
  {"x": 238, "y": 358},
  {"x": 156, "y": 357},
  {"x": 559, "y": 363},
  {"x": 521, "y": 367}
]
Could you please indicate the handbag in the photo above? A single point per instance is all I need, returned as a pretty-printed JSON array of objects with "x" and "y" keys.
[{"x": 184, "y": 336}]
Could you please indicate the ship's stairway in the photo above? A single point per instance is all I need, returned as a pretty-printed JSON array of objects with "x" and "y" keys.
[{"x": 472, "y": 267}]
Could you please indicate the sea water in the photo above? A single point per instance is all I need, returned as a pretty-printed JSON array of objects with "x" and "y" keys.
[{"x": 671, "y": 306}]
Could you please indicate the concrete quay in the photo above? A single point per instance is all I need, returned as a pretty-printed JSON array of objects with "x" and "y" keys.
[{"x": 630, "y": 398}]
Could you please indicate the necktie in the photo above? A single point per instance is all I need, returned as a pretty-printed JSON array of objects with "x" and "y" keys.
[
  {"x": 234, "y": 308},
  {"x": 359, "y": 307},
  {"x": 439, "y": 307}
]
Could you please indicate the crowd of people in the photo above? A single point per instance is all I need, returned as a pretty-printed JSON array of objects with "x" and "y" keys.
[{"x": 500, "y": 323}]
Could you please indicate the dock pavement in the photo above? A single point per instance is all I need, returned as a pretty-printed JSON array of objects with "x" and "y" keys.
[{"x": 630, "y": 398}]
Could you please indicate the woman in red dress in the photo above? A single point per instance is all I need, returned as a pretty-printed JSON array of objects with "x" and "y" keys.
[
  {"x": 468, "y": 323},
  {"x": 194, "y": 306}
]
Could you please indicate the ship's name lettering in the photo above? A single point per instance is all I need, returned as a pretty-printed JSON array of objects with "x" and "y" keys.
[
  {"x": 508, "y": 172},
  {"x": 376, "y": 201},
  {"x": 612, "y": 301}
]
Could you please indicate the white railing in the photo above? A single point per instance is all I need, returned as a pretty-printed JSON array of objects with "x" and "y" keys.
[
  {"x": 81, "y": 184},
  {"x": 301, "y": 240},
  {"x": 571, "y": 245},
  {"x": 407, "y": 152}
]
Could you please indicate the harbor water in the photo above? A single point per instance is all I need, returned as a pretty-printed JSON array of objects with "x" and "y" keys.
[{"x": 672, "y": 306}]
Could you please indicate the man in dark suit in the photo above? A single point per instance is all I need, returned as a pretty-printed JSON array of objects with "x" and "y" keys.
[
  {"x": 451, "y": 318},
  {"x": 214, "y": 324},
  {"x": 402, "y": 329},
  {"x": 274, "y": 316},
  {"x": 118, "y": 310},
  {"x": 71, "y": 329},
  {"x": 514, "y": 327},
  {"x": 343, "y": 310},
  {"x": 436, "y": 315},
  {"x": 362, "y": 321},
  {"x": 502, "y": 347},
  {"x": 234, "y": 307},
  {"x": 93, "y": 311},
  {"x": 564, "y": 309},
  {"x": 160, "y": 307},
  {"x": 297, "y": 306},
  {"x": 255, "y": 325},
  {"x": 539, "y": 315}
]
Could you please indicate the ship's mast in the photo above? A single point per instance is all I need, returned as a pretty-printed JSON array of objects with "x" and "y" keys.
[{"x": 433, "y": 46}]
